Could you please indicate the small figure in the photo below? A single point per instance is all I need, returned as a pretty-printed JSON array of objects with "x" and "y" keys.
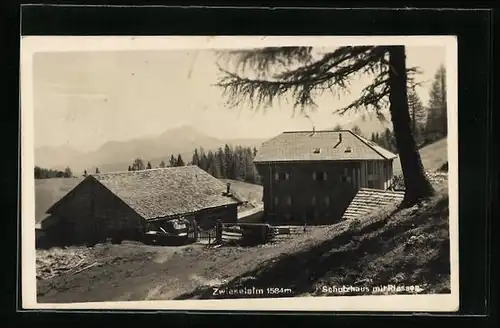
[
  {"x": 218, "y": 231},
  {"x": 195, "y": 230}
]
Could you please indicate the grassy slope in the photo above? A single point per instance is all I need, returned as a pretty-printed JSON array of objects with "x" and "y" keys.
[
  {"x": 433, "y": 156},
  {"x": 410, "y": 247},
  {"x": 49, "y": 191},
  {"x": 250, "y": 192}
]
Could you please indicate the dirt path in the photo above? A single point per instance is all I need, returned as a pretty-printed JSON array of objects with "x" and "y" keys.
[{"x": 140, "y": 272}]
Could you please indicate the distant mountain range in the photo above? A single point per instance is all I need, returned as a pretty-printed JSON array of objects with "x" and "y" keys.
[{"x": 118, "y": 155}]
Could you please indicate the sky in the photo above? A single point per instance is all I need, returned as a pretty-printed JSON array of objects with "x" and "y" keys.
[{"x": 84, "y": 99}]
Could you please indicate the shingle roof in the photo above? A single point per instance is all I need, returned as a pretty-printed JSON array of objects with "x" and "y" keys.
[
  {"x": 162, "y": 192},
  {"x": 304, "y": 146},
  {"x": 368, "y": 201}
]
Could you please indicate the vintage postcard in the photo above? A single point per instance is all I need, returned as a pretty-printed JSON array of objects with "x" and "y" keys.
[{"x": 239, "y": 173}]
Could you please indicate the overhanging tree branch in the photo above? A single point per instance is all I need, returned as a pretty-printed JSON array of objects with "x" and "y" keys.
[
  {"x": 263, "y": 59},
  {"x": 332, "y": 72}
]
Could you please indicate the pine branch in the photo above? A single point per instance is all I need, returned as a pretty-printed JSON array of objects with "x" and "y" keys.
[
  {"x": 374, "y": 96},
  {"x": 325, "y": 64},
  {"x": 333, "y": 72},
  {"x": 263, "y": 59}
]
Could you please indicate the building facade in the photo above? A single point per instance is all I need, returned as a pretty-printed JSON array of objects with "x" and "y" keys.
[{"x": 312, "y": 177}]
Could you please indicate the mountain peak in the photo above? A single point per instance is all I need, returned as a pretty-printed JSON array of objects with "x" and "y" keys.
[
  {"x": 183, "y": 130},
  {"x": 117, "y": 155}
]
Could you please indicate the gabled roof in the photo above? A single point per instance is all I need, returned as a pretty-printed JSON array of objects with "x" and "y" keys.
[
  {"x": 163, "y": 192},
  {"x": 320, "y": 146}
]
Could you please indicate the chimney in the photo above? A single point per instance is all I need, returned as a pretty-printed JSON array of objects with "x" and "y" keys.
[
  {"x": 228, "y": 188},
  {"x": 338, "y": 142}
]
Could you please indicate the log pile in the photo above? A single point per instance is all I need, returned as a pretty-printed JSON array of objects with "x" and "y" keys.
[{"x": 54, "y": 262}]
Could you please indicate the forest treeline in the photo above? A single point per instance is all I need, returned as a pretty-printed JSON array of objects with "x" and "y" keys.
[
  {"x": 228, "y": 162},
  {"x": 43, "y": 173}
]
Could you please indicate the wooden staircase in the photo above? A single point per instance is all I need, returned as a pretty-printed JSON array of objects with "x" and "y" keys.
[{"x": 368, "y": 201}]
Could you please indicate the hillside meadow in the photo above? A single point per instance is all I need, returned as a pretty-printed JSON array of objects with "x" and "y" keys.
[
  {"x": 49, "y": 191},
  {"x": 408, "y": 247},
  {"x": 433, "y": 156}
]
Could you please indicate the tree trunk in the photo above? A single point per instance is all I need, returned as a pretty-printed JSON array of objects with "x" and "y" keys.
[
  {"x": 413, "y": 115},
  {"x": 416, "y": 183}
]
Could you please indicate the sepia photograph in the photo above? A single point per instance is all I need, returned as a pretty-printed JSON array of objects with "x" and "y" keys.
[{"x": 239, "y": 173}]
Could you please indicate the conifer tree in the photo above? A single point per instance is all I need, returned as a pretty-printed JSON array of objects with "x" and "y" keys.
[
  {"x": 298, "y": 72},
  {"x": 179, "y": 161}
]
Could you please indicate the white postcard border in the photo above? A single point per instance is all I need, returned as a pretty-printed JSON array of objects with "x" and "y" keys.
[{"x": 394, "y": 303}]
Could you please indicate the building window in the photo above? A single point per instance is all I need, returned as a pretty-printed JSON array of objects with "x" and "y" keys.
[
  {"x": 345, "y": 176},
  {"x": 348, "y": 150},
  {"x": 327, "y": 200},
  {"x": 320, "y": 176},
  {"x": 316, "y": 150},
  {"x": 276, "y": 200},
  {"x": 284, "y": 176},
  {"x": 370, "y": 167},
  {"x": 289, "y": 200}
]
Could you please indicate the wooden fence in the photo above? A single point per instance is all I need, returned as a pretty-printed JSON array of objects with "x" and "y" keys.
[{"x": 259, "y": 233}]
